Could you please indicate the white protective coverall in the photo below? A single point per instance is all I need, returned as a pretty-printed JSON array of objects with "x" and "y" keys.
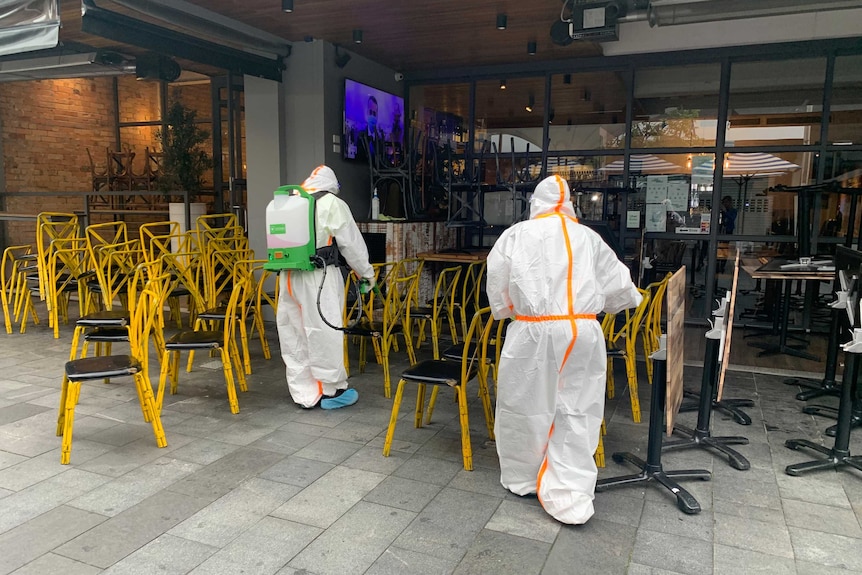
[
  {"x": 552, "y": 275},
  {"x": 313, "y": 351}
]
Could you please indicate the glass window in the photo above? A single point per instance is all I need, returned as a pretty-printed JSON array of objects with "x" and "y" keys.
[
  {"x": 776, "y": 102},
  {"x": 510, "y": 115},
  {"x": 440, "y": 112},
  {"x": 674, "y": 107},
  {"x": 845, "y": 112},
  {"x": 588, "y": 111}
]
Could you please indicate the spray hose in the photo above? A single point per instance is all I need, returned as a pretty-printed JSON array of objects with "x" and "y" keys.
[{"x": 363, "y": 285}]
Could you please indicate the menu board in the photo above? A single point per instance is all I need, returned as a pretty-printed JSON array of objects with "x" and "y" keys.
[{"x": 675, "y": 295}]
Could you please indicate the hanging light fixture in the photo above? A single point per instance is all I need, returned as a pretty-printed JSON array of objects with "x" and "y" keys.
[
  {"x": 502, "y": 84},
  {"x": 531, "y": 48},
  {"x": 357, "y": 36},
  {"x": 287, "y": 6},
  {"x": 501, "y": 21},
  {"x": 530, "y": 103}
]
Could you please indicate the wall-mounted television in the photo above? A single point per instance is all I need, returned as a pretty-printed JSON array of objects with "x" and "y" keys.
[{"x": 371, "y": 112}]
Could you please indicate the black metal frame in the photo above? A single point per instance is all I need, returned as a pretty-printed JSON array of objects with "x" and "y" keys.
[
  {"x": 628, "y": 64},
  {"x": 651, "y": 469}
]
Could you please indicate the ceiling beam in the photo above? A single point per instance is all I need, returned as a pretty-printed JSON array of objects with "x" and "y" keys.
[{"x": 122, "y": 28}]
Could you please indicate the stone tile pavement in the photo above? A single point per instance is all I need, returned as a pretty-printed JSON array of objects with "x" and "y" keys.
[{"x": 280, "y": 490}]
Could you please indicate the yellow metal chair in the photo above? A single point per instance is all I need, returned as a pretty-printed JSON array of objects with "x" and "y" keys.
[
  {"x": 471, "y": 290},
  {"x": 52, "y": 226},
  {"x": 144, "y": 321},
  {"x": 158, "y": 245},
  {"x": 383, "y": 329},
  {"x": 442, "y": 306},
  {"x": 149, "y": 231},
  {"x": 651, "y": 330},
  {"x": 220, "y": 275},
  {"x": 12, "y": 281},
  {"x": 223, "y": 342},
  {"x": 454, "y": 374},
  {"x": 118, "y": 271},
  {"x": 68, "y": 271},
  {"x": 621, "y": 345}
]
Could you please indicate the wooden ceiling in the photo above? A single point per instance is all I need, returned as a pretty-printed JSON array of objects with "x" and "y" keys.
[{"x": 407, "y": 36}]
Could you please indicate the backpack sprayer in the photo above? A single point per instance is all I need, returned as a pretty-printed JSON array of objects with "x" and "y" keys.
[{"x": 291, "y": 240}]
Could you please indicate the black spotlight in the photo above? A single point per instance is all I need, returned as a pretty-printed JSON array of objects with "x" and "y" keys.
[
  {"x": 287, "y": 5},
  {"x": 501, "y": 21},
  {"x": 357, "y": 36},
  {"x": 531, "y": 48},
  {"x": 152, "y": 66}
]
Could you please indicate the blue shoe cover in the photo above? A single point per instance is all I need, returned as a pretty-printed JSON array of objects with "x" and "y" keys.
[{"x": 349, "y": 397}]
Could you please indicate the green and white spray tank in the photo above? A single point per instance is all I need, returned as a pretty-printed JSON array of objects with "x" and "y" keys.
[{"x": 290, "y": 230}]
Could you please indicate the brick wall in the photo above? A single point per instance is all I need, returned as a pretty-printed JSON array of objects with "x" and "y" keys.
[{"x": 47, "y": 126}]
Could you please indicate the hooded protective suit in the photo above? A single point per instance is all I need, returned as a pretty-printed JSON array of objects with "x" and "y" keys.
[
  {"x": 312, "y": 351},
  {"x": 552, "y": 275}
]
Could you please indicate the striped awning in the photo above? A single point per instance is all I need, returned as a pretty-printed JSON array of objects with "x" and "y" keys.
[
  {"x": 643, "y": 164},
  {"x": 748, "y": 165}
]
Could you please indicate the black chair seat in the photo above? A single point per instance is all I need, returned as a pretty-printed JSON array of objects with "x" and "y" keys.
[
  {"x": 101, "y": 367},
  {"x": 436, "y": 372},
  {"x": 113, "y": 318},
  {"x": 615, "y": 352},
  {"x": 179, "y": 292},
  {"x": 213, "y": 314},
  {"x": 422, "y": 310},
  {"x": 456, "y": 352},
  {"x": 108, "y": 334},
  {"x": 366, "y": 328},
  {"x": 195, "y": 340}
]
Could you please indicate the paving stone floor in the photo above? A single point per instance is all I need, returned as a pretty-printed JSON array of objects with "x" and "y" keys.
[{"x": 277, "y": 489}]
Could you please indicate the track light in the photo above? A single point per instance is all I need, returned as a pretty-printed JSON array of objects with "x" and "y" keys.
[
  {"x": 287, "y": 6},
  {"x": 502, "y": 84},
  {"x": 357, "y": 36},
  {"x": 501, "y": 21},
  {"x": 530, "y": 103},
  {"x": 531, "y": 48}
]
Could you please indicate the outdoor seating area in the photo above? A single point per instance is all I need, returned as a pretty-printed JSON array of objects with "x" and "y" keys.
[
  {"x": 257, "y": 490},
  {"x": 307, "y": 479}
]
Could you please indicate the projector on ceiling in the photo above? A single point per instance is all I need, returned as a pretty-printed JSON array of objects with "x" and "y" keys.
[{"x": 595, "y": 21}]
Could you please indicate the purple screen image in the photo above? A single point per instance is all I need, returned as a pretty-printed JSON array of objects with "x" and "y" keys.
[{"x": 373, "y": 112}]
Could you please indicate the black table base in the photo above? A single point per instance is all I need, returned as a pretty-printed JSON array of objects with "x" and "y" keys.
[
  {"x": 828, "y": 386},
  {"x": 731, "y": 407},
  {"x": 701, "y": 436},
  {"x": 652, "y": 471},
  {"x": 838, "y": 456}
]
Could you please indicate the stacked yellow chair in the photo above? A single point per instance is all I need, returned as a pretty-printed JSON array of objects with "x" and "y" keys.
[
  {"x": 651, "y": 330},
  {"x": 222, "y": 341},
  {"x": 621, "y": 345},
  {"x": 13, "y": 282},
  {"x": 146, "y": 303},
  {"x": 383, "y": 327},
  {"x": 441, "y": 306}
]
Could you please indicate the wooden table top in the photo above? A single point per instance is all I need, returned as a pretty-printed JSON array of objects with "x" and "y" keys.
[{"x": 462, "y": 256}]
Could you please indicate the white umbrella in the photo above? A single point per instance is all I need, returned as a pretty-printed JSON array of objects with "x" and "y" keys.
[{"x": 642, "y": 164}]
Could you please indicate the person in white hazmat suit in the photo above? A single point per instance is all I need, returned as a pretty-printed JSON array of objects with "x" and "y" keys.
[
  {"x": 552, "y": 275},
  {"x": 312, "y": 351}
]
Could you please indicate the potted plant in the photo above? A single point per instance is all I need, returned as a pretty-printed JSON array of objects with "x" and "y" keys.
[{"x": 184, "y": 162}]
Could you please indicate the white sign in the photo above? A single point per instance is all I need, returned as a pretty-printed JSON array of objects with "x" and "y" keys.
[{"x": 633, "y": 219}]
